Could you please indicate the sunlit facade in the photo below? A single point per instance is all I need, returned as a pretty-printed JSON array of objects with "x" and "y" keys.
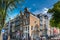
[{"x": 27, "y": 23}]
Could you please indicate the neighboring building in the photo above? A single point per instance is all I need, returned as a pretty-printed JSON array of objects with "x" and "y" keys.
[
  {"x": 54, "y": 31},
  {"x": 44, "y": 25},
  {"x": 27, "y": 23}
]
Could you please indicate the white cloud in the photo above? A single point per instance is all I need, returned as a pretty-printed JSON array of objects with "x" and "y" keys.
[
  {"x": 36, "y": 12},
  {"x": 13, "y": 16},
  {"x": 44, "y": 11}
]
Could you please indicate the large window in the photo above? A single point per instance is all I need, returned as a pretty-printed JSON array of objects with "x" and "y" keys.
[
  {"x": 26, "y": 28},
  {"x": 24, "y": 22},
  {"x": 26, "y": 35},
  {"x": 27, "y": 15},
  {"x": 27, "y": 22},
  {"x": 20, "y": 28}
]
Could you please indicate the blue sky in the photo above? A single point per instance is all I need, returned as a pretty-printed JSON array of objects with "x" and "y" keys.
[{"x": 34, "y": 6}]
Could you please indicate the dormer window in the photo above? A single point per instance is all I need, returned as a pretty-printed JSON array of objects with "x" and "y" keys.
[{"x": 27, "y": 15}]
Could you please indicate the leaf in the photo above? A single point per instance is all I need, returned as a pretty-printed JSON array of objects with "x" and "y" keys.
[
  {"x": 4, "y": 6},
  {"x": 55, "y": 20}
]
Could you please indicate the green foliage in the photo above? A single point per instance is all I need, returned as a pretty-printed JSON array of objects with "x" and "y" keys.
[
  {"x": 55, "y": 20},
  {"x": 6, "y": 5},
  {"x": 52, "y": 23}
]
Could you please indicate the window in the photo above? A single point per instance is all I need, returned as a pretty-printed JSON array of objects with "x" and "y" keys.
[
  {"x": 26, "y": 28},
  {"x": 41, "y": 20},
  {"x": 31, "y": 27},
  {"x": 41, "y": 25},
  {"x": 13, "y": 29},
  {"x": 24, "y": 17},
  {"x": 27, "y": 15},
  {"x": 40, "y": 17},
  {"x": 22, "y": 13},
  {"x": 44, "y": 25},
  {"x": 12, "y": 22},
  {"x": 44, "y": 21},
  {"x": 20, "y": 28},
  {"x": 24, "y": 22},
  {"x": 27, "y": 22},
  {"x": 35, "y": 21},
  {"x": 17, "y": 23},
  {"x": 26, "y": 35},
  {"x": 20, "y": 21}
]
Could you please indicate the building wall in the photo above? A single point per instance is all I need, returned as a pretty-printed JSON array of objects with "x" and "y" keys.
[
  {"x": 33, "y": 22},
  {"x": 27, "y": 23},
  {"x": 44, "y": 24}
]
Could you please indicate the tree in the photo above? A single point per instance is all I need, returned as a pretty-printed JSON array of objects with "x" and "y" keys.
[
  {"x": 5, "y": 5},
  {"x": 55, "y": 20}
]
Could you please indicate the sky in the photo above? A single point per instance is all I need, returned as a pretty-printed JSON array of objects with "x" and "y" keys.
[{"x": 34, "y": 6}]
